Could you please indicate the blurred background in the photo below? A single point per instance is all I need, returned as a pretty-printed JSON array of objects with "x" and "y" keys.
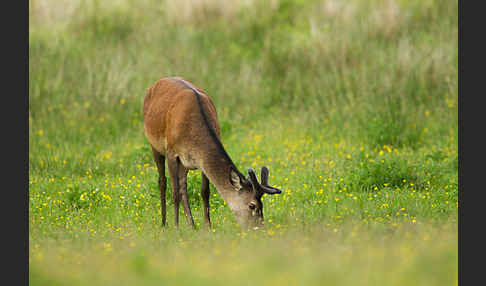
[{"x": 379, "y": 70}]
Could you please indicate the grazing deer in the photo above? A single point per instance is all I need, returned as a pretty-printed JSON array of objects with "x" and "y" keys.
[{"x": 181, "y": 125}]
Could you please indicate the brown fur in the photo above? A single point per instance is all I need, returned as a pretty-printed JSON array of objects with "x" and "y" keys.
[
  {"x": 171, "y": 116},
  {"x": 187, "y": 133}
]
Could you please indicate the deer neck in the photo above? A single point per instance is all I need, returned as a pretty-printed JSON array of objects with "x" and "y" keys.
[{"x": 217, "y": 167}]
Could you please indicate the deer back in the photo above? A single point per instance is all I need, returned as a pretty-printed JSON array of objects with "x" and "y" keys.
[{"x": 173, "y": 120}]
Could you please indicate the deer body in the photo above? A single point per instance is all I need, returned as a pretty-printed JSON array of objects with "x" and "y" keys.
[{"x": 181, "y": 124}]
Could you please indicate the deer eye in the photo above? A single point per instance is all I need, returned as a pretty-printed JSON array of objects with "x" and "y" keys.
[{"x": 252, "y": 206}]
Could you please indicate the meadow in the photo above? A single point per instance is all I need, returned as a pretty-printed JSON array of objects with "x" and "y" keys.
[{"x": 352, "y": 105}]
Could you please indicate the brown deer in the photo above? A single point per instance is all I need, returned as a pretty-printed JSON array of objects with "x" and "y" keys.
[{"x": 181, "y": 124}]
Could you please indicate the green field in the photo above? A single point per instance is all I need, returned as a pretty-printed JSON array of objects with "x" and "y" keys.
[{"x": 352, "y": 105}]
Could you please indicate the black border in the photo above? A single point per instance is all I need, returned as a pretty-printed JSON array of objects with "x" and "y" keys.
[{"x": 15, "y": 120}]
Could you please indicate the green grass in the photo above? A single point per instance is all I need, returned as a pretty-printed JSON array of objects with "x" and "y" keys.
[{"x": 352, "y": 106}]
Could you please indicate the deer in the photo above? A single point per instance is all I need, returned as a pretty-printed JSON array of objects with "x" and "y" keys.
[{"x": 181, "y": 125}]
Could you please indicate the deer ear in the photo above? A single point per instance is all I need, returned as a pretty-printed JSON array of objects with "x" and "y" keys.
[{"x": 235, "y": 179}]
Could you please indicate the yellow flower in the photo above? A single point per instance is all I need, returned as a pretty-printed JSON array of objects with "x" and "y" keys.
[{"x": 83, "y": 196}]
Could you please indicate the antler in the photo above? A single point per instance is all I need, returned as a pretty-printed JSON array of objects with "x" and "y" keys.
[
  {"x": 263, "y": 187},
  {"x": 264, "y": 176}
]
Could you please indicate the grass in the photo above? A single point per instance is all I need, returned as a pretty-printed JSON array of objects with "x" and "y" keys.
[{"x": 352, "y": 106}]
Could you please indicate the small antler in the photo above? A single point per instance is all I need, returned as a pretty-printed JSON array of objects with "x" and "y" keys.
[
  {"x": 264, "y": 176},
  {"x": 263, "y": 187}
]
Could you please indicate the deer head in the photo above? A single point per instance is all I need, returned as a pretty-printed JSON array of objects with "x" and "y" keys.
[{"x": 250, "y": 212}]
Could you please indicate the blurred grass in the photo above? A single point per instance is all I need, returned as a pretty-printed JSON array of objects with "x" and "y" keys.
[
  {"x": 352, "y": 106},
  {"x": 311, "y": 257}
]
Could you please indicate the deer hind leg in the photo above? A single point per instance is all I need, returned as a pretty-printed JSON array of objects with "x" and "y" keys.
[
  {"x": 174, "y": 166},
  {"x": 205, "y": 199},
  {"x": 183, "y": 190},
  {"x": 160, "y": 162}
]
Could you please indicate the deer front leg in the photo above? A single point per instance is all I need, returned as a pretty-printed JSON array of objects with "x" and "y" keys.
[
  {"x": 205, "y": 199},
  {"x": 174, "y": 166}
]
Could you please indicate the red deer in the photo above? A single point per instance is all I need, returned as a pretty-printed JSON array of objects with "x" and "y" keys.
[{"x": 181, "y": 124}]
